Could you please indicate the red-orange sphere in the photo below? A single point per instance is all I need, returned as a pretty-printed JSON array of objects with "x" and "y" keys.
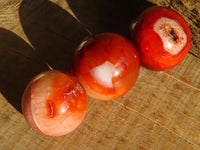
[
  {"x": 54, "y": 103},
  {"x": 107, "y": 65},
  {"x": 161, "y": 37}
]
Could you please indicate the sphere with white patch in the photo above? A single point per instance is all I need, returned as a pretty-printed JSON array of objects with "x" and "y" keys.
[
  {"x": 107, "y": 65},
  {"x": 161, "y": 37}
]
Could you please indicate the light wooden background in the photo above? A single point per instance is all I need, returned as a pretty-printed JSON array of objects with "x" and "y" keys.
[{"x": 162, "y": 111}]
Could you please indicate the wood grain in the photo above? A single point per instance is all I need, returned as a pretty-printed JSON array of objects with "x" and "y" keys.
[{"x": 162, "y": 111}]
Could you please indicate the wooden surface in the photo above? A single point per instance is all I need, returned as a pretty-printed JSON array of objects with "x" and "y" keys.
[{"x": 162, "y": 111}]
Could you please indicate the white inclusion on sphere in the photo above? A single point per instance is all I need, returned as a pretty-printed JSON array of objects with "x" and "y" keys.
[
  {"x": 103, "y": 74},
  {"x": 172, "y": 35}
]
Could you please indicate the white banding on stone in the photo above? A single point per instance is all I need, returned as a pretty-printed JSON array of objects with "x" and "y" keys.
[
  {"x": 172, "y": 35},
  {"x": 103, "y": 74}
]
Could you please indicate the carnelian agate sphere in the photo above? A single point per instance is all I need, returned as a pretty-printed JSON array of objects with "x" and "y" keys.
[
  {"x": 161, "y": 37},
  {"x": 107, "y": 65},
  {"x": 54, "y": 103}
]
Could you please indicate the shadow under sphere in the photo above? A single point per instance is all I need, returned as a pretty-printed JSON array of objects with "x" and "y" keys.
[
  {"x": 54, "y": 35},
  {"x": 108, "y": 15},
  {"x": 52, "y": 31},
  {"x": 18, "y": 64}
]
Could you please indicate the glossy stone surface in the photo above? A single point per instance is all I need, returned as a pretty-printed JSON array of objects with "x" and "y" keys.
[
  {"x": 161, "y": 37},
  {"x": 54, "y": 103},
  {"x": 107, "y": 65}
]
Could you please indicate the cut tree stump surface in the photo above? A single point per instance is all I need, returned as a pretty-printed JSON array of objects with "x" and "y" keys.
[{"x": 162, "y": 110}]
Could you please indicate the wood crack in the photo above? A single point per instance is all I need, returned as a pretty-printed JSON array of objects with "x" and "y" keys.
[
  {"x": 181, "y": 81},
  {"x": 193, "y": 54},
  {"x": 196, "y": 147}
]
